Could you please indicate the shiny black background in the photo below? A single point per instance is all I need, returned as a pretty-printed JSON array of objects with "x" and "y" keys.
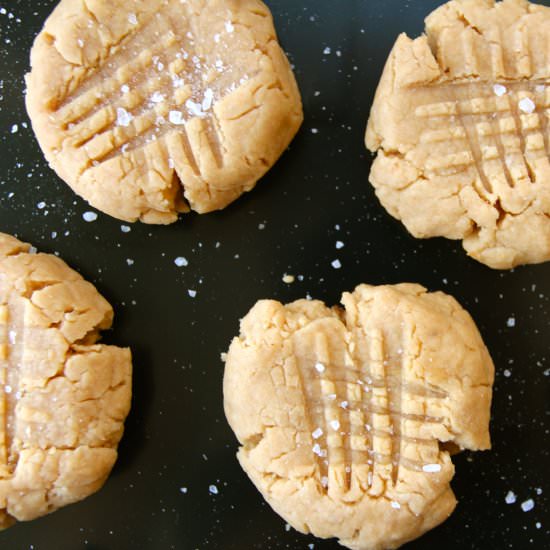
[{"x": 176, "y": 435}]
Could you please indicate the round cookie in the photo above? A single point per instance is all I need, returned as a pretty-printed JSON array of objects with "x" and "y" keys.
[
  {"x": 147, "y": 108},
  {"x": 347, "y": 417},
  {"x": 461, "y": 126},
  {"x": 63, "y": 398}
]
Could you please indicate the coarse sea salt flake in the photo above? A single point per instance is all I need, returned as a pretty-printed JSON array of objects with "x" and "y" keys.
[
  {"x": 180, "y": 261},
  {"x": 431, "y": 468},
  {"x": 229, "y": 27},
  {"x": 194, "y": 108},
  {"x": 510, "y": 497},
  {"x": 208, "y": 99},
  {"x": 192, "y": 293},
  {"x": 395, "y": 505},
  {"x": 176, "y": 117},
  {"x": 528, "y": 505},
  {"x": 335, "y": 425},
  {"x": 527, "y": 105},
  {"x": 89, "y": 216},
  {"x": 123, "y": 117},
  {"x": 157, "y": 97},
  {"x": 317, "y": 433},
  {"x": 132, "y": 19},
  {"x": 319, "y": 367},
  {"x": 125, "y": 88},
  {"x": 499, "y": 90}
]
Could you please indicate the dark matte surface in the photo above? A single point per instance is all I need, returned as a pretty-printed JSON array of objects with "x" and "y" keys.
[{"x": 176, "y": 435}]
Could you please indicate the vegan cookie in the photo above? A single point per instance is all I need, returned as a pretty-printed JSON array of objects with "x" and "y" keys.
[
  {"x": 346, "y": 416},
  {"x": 460, "y": 123},
  {"x": 63, "y": 397},
  {"x": 147, "y": 108}
]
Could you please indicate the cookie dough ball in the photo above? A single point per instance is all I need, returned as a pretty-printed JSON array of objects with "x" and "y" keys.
[
  {"x": 460, "y": 123},
  {"x": 147, "y": 108},
  {"x": 63, "y": 398},
  {"x": 346, "y": 416}
]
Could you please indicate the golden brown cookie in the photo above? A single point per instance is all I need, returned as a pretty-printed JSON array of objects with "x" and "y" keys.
[
  {"x": 346, "y": 416},
  {"x": 461, "y": 126},
  {"x": 149, "y": 107},
  {"x": 63, "y": 398}
]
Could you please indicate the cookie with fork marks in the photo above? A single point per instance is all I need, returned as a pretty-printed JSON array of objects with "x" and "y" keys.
[
  {"x": 147, "y": 108},
  {"x": 461, "y": 128},
  {"x": 346, "y": 416},
  {"x": 63, "y": 396}
]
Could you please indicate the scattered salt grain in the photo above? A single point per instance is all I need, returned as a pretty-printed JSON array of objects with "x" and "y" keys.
[
  {"x": 132, "y": 19},
  {"x": 527, "y": 105},
  {"x": 327, "y": 51},
  {"x": 314, "y": 131},
  {"x": 213, "y": 490},
  {"x": 129, "y": 261},
  {"x": 208, "y": 99},
  {"x": 157, "y": 97},
  {"x": 511, "y": 322},
  {"x": 176, "y": 117},
  {"x": 123, "y": 117},
  {"x": 194, "y": 108},
  {"x": 125, "y": 88},
  {"x": 229, "y": 27},
  {"x": 192, "y": 293},
  {"x": 510, "y": 497},
  {"x": 317, "y": 433},
  {"x": 344, "y": 404},
  {"x": 507, "y": 373},
  {"x": 41, "y": 205},
  {"x": 89, "y": 216},
  {"x": 336, "y": 264},
  {"x": 339, "y": 245},
  {"x": 125, "y": 228},
  {"x": 499, "y": 90},
  {"x": 528, "y": 505},
  {"x": 395, "y": 505},
  {"x": 335, "y": 425},
  {"x": 319, "y": 367},
  {"x": 183, "y": 490},
  {"x": 14, "y": 129},
  {"x": 7, "y": 389},
  {"x": 180, "y": 261},
  {"x": 431, "y": 468}
]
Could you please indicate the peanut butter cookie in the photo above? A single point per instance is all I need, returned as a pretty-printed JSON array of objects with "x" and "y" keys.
[
  {"x": 346, "y": 417},
  {"x": 63, "y": 398}
]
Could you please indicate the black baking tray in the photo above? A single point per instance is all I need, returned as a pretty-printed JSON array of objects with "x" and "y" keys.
[{"x": 177, "y": 443}]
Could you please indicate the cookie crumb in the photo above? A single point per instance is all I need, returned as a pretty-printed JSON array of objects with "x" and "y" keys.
[{"x": 288, "y": 279}]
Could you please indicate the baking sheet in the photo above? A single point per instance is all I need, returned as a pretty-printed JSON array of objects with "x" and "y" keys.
[{"x": 178, "y": 450}]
